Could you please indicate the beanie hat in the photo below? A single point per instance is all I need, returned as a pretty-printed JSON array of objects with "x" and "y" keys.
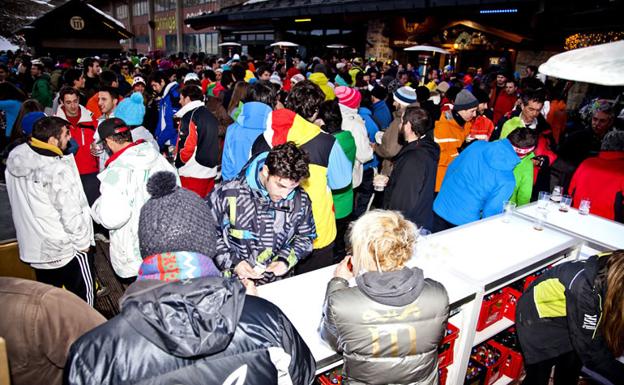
[
  {"x": 481, "y": 95},
  {"x": 174, "y": 219},
  {"x": 29, "y": 120},
  {"x": 275, "y": 78},
  {"x": 340, "y": 65},
  {"x": 347, "y": 96},
  {"x": 443, "y": 87},
  {"x": 131, "y": 110},
  {"x": 320, "y": 68},
  {"x": 405, "y": 96},
  {"x": 379, "y": 92},
  {"x": 613, "y": 141},
  {"x": 190, "y": 76},
  {"x": 297, "y": 78},
  {"x": 138, "y": 80},
  {"x": 465, "y": 101}
]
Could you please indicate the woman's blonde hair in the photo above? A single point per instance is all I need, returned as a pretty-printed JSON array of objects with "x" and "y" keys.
[{"x": 382, "y": 240}]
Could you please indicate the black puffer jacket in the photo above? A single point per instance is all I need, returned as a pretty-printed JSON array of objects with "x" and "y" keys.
[
  {"x": 200, "y": 331},
  {"x": 562, "y": 310}
]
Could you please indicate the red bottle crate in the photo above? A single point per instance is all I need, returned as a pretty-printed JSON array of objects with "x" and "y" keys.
[
  {"x": 442, "y": 374},
  {"x": 491, "y": 311},
  {"x": 493, "y": 366},
  {"x": 510, "y": 298},
  {"x": 447, "y": 346},
  {"x": 512, "y": 367}
]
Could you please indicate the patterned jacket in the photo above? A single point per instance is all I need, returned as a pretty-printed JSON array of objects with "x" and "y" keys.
[{"x": 251, "y": 227}]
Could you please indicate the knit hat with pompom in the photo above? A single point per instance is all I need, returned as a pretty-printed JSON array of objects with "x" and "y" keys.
[
  {"x": 174, "y": 219},
  {"x": 131, "y": 110}
]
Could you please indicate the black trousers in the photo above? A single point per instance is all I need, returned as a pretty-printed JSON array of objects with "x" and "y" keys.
[
  {"x": 363, "y": 193},
  {"x": 340, "y": 244},
  {"x": 440, "y": 224},
  {"x": 77, "y": 276},
  {"x": 317, "y": 260},
  {"x": 567, "y": 370}
]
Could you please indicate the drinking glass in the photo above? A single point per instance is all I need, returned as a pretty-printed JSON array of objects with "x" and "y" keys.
[
  {"x": 540, "y": 217},
  {"x": 566, "y": 202},
  {"x": 556, "y": 194},
  {"x": 508, "y": 208},
  {"x": 584, "y": 206},
  {"x": 543, "y": 199}
]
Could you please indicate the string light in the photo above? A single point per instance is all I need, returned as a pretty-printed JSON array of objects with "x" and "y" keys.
[{"x": 580, "y": 40}]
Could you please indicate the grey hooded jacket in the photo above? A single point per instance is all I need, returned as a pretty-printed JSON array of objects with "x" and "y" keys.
[{"x": 388, "y": 327}]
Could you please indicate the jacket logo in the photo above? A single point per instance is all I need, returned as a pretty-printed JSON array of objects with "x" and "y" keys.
[
  {"x": 391, "y": 315},
  {"x": 590, "y": 321},
  {"x": 237, "y": 377}
]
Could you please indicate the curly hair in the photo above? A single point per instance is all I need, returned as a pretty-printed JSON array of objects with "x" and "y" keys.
[
  {"x": 382, "y": 240},
  {"x": 288, "y": 161},
  {"x": 305, "y": 99}
]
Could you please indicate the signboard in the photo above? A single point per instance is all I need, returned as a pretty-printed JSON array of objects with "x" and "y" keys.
[{"x": 77, "y": 23}]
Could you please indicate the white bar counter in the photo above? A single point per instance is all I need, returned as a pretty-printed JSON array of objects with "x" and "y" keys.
[
  {"x": 469, "y": 260},
  {"x": 598, "y": 232}
]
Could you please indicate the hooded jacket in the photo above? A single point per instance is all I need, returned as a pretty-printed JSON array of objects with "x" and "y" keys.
[
  {"x": 381, "y": 112},
  {"x": 198, "y": 142},
  {"x": 251, "y": 227},
  {"x": 343, "y": 198},
  {"x": 199, "y": 331},
  {"x": 561, "y": 311},
  {"x": 450, "y": 136},
  {"x": 411, "y": 184},
  {"x": 477, "y": 182},
  {"x": 49, "y": 207},
  {"x": 371, "y": 129},
  {"x": 354, "y": 123},
  {"x": 168, "y": 105},
  {"x": 400, "y": 306},
  {"x": 329, "y": 167},
  {"x": 83, "y": 133},
  {"x": 42, "y": 90},
  {"x": 601, "y": 179},
  {"x": 123, "y": 192},
  {"x": 321, "y": 80},
  {"x": 240, "y": 136}
]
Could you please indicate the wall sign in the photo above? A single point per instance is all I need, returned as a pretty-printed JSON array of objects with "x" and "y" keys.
[{"x": 77, "y": 23}]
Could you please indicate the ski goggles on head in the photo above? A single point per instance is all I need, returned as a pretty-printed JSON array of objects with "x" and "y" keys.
[{"x": 522, "y": 151}]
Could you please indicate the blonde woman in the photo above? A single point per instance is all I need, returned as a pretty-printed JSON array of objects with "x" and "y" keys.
[{"x": 388, "y": 326}]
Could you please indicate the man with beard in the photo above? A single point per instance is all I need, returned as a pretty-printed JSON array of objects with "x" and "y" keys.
[
  {"x": 411, "y": 184},
  {"x": 50, "y": 210}
]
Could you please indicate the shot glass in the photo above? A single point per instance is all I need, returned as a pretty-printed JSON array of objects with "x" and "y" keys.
[
  {"x": 540, "y": 217},
  {"x": 584, "y": 206},
  {"x": 508, "y": 208},
  {"x": 543, "y": 200},
  {"x": 566, "y": 202}
]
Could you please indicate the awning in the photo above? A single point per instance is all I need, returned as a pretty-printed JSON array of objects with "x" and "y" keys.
[{"x": 601, "y": 64}]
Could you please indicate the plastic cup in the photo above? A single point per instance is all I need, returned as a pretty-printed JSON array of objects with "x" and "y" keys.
[
  {"x": 584, "y": 206},
  {"x": 556, "y": 194},
  {"x": 540, "y": 217},
  {"x": 566, "y": 202},
  {"x": 543, "y": 200},
  {"x": 379, "y": 182},
  {"x": 508, "y": 209}
]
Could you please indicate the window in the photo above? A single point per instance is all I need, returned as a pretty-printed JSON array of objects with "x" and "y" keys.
[
  {"x": 164, "y": 5},
  {"x": 190, "y": 3},
  {"x": 201, "y": 42},
  {"x": 140, "y": 8},
  {"x": 122, "y": 11}
]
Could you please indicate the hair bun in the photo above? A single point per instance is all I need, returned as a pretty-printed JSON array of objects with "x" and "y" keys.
[{"x": 162, "y": 183}]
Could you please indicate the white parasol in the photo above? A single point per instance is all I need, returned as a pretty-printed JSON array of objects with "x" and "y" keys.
[
  {"x": 337, "y": 46},
  {"x": 284, "y": 44},
  {"x": 229, "y": 45},
  {"x": 600, "y": 64},
  {"x": 426, "y": 48}
]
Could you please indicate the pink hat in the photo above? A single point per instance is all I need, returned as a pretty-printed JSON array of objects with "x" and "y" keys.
[{"x": 347, "y": 96}]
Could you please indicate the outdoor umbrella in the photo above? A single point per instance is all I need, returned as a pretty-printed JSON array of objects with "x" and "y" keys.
[
  {"x": 426, "y": 48},
  {"x": 600, "y": 64}
]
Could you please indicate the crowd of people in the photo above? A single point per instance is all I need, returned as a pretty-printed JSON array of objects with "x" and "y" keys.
[{"x": 210, "y": 176}]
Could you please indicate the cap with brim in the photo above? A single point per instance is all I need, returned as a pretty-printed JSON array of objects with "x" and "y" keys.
[
  {"x": 138, "y": 80},
  {"x": 110, "y": 127}
]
